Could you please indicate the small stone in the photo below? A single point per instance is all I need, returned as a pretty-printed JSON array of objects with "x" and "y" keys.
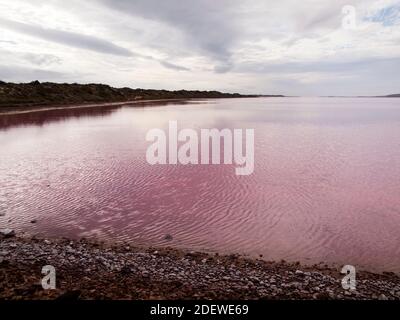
[
  {"x": 47, "y": 241},
  {"x": 33, "y": 221},
  {"x": 7, "y": 233},
  {"x": 69, "y": 295},
  {"x": 382, "y": 297},
  {"x": 299, "y": 272},
  {"x": 168, "y": 237}
]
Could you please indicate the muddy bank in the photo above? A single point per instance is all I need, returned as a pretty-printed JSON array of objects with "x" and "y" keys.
[
  {"x": 41, "y": 108},
  {"x": 87, "y": 270}
]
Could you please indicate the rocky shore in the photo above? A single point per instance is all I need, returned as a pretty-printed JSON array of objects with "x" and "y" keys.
[{"x": 88, "y": 270}]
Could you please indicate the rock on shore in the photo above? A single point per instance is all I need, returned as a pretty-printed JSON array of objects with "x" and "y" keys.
[
  {"x": 7, "y": 233},
  {"x": 86, "y": 270}
]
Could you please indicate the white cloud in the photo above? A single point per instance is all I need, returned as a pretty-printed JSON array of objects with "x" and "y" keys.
[{"x": 250, "y": 46}]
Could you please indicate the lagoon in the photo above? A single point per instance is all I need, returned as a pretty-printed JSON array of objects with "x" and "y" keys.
[{"x": 325, "y": 186}]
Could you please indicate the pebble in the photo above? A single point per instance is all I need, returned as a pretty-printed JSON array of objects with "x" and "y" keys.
[
  {"x": 7, "y": 233},
  {"x": 168, "y": 237},
  {"x": 243, "y": 279}
]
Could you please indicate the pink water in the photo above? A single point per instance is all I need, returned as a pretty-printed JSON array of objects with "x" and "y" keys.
[{"x": 326, "y": 185}]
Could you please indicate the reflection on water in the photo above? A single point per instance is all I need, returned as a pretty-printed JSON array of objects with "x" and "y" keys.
[
  {"x": 51, "y": 115},
  {"x": 325, "y": 187}
]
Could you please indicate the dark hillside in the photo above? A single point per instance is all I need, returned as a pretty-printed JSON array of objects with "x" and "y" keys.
[{"x": 47, "y": 93}]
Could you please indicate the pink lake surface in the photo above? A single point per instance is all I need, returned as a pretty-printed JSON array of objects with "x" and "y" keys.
[{"x": 326, "y": 184}]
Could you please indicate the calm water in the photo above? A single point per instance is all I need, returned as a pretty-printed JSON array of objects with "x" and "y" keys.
[{"x": 326, "y": 185}]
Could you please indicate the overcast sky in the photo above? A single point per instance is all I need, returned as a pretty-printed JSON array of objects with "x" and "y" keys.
[{"x": 287, "y": 47}]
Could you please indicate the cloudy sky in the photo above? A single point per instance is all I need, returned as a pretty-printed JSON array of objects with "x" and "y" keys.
[{"x": 250, "y": 46}]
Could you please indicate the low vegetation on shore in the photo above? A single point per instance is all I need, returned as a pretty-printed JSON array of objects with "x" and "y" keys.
[
  {"x": 87, "y": 270},
  {"x": 47, "y": 93}
]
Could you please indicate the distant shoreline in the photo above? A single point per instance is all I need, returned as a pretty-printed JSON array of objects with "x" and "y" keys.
[{"x": 32, "y": 96}]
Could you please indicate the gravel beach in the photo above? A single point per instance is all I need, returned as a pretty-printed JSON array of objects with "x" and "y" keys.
[{"x": 88, "y": 270}]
